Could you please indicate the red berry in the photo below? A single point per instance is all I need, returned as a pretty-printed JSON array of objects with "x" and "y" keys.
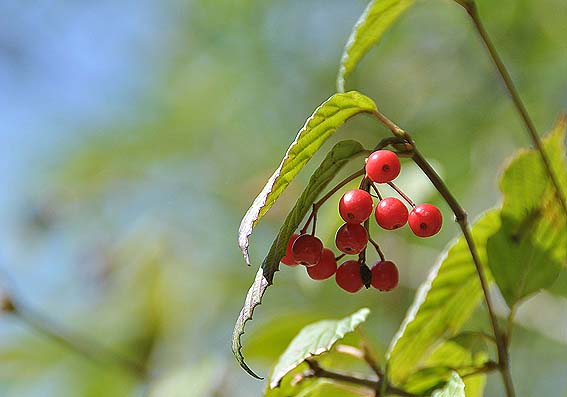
[
  {"x": 384, "y": 275},
  {"x": 307, "y": 249},
  {"x": 382, "y": 166},
  {"x": 288, "y": 258},
  {"x": 348, "y": 276},
  {"x": 351, "y": 238},
  {"x": 391, "y": 213},
  {"x": 425, "y": 220},
  {"x": 355, "y": 206},
  {"x": 325, "y": 268}
]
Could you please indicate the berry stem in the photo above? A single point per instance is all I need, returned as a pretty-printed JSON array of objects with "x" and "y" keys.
[
  {"x": 375, "y": 188},
  {"x": 377, "y": 248},
  {"x": 314, "y": 212},
  {"x": 327, "y": 196},
  {"x": 380, "y": 145},
  {"x": 401, "y": 193},
  {"x": 341, "y": 256},
  {"x": 461, "y": 219}
]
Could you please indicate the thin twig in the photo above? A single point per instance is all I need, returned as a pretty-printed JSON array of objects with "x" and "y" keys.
[
  {"x": 510, "y": 323},
  {"x": 377, "y": 248},
  {"x": 472, "y": 10},
  {"x": 489, "y": 366},
  {"x": 375, "y": 188},
  {"x": 44, "y": 326},
  {"x": 341, "y": 256},
  {"x": 355, "y": 379},
  {"x": 401, "y": 193},
  {"x": 87, "y": 348},
  {"x": 461, "y": 219}
]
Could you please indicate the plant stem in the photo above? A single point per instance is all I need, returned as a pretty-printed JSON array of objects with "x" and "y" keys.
[
  {"x": 472, "y": 10},
  {"x": 488, "y": 367},
  {"x": 86, "y": 348},
  {"x": 377, "y": 248},
  {"x": 375, "y": 188},
  {"x": 355, "y": 379},
  {"x": 461, "y": 219},
  {"x": 402, "y": 194}
]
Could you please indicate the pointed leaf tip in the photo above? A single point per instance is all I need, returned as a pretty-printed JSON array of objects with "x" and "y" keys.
[{"x": 321, "y": 125}]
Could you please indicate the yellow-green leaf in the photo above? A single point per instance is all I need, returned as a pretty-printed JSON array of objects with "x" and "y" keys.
[
  {"x": 377, "y": 18},
  {"x": 442, "y": 304},
  {"x": 324, "y": 121}
]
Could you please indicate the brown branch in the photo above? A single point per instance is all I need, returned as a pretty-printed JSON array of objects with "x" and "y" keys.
[
  {"x": 472, "y": 10},
  {"x": 461, "y": 219}
]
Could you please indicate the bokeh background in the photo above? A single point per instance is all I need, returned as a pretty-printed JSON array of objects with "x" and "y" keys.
[{"x": 134, "y": 135}]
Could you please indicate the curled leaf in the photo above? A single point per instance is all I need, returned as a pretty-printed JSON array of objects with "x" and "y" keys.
[
  {"x": 337, "y": 157},
  {"x": 324, "y": 121}
]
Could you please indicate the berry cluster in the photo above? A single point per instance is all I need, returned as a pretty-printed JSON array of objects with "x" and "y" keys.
[{"x": 355, "y": 208}]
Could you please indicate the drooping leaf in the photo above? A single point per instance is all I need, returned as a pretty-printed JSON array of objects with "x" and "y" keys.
[
  {"x": 313, "y": 340},
  {"x": 443, "y": 302},
  {"x": 454, "y": 388},
  {"x": 529, "y": 251},
  {"x": 377, "y": 18},
  {"x": 339, "y": 155},
  {"x": 324, "y": 121}
]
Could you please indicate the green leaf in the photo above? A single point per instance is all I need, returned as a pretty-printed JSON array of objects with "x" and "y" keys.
[
  {"x": 524, "y": 182},
  {"x": 317, "y": 129},
  {"x": 315, "y": 388},
  {"x": 377, "y": 18},
  {"x": 442, "y": 304},
  {"x": 454, "y": 388},
  {"x": 460, "y": 353},
  {"x": 313, "y": 340},
  {"x": 339, "y": 155},
  {"x": 529, "y": 251}
]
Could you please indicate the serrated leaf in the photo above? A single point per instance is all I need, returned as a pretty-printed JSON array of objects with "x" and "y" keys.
[
  {"x": 443, "y": 302},
  {"x": 339, "y": 155},
  {"x": 376, "y": 19},
  {"x": 529, "y": 251},
  {"x": 313, "y": 340},
  {"x": 324, "y": 121},
  {"x": 454, "y": 388},
  {"x": 524, "y": 182}
]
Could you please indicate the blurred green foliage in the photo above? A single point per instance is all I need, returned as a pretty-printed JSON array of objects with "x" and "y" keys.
[{"x": 150, "y": 204}]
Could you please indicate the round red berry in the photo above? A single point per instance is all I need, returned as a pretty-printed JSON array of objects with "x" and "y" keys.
[
  {"x": 348, "y": 276},
  {"x": 307, "y": 249},
  {"x": 382, "y": 166},
  {"x": 325, "y": 268},
  {"x": 351, "y": 238},
  {"x": 425, "y": 220},
  {"x": 391, "y": 213},
  {"x": 288, "y": 258},
  {"x": 384, "y": 275},
  {"x": 355, "y": 206}
]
